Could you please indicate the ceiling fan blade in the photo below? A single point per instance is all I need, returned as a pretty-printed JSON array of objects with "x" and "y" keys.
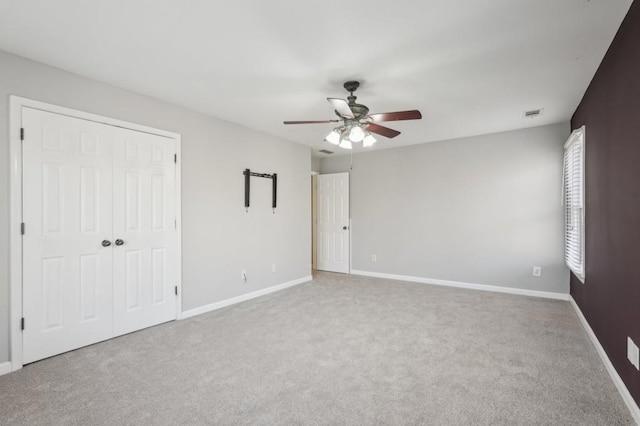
[
  {"x": 311, "y": 122},
  {"x": 342, "y": 107},
  {"x": 381, "y": 130},
  {"x": 396, "y": 116}
]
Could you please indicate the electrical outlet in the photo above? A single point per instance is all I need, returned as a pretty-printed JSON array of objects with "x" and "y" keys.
[
  {"x": 633, "y": 353},
  {"x": 373, "y": 258},
  {"x": 537, "y": 271},
  {"x": 243, "y": 275},
  {"x": 273, "y": 267}
]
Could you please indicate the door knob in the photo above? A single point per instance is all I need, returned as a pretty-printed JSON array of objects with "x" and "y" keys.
[
  {"x": 344, "y": 227},
  {"x": 106, "y": 243},
  {"x": 119, "y": 242}
]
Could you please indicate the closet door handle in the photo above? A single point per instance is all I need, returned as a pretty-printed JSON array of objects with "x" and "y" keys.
[
  {"x": 106, "y": 243},
  {"x": 119, "y": 242}
]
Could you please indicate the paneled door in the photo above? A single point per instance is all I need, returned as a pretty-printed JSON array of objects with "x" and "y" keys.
[
  {"x": 145, "y": 256},
  {"x": 333, "y": 222},
  {"x": 100, "y": 245},
  {"x": 67, "y": 262}
]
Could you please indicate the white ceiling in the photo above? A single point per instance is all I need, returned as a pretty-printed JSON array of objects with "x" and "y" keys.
[{"x": 471, "y": 66}]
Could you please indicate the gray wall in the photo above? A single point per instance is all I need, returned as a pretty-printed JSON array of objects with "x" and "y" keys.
[
  {"x": 219, "y": 238},
  {"x": 482, "y": 210}
]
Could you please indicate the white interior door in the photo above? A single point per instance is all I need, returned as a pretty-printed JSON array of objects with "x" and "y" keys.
[
  {"x": 67, "y": 211},
  {"x": 333, "y": 222},
  {"x": 145, "y": 265}
]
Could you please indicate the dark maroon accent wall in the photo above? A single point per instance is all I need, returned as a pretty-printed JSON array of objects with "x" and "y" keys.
[{"x": 610, "y": 110}]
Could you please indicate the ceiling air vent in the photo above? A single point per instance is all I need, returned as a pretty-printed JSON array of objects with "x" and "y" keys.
[
  {"x": 324, "y": 151},
  {"x": 533, "y": 113}
]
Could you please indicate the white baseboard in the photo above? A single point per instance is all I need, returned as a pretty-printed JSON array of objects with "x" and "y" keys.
[
  {"x": 5, "y": 367},
  {"x": 624, "y": 392},
  {"x": 228, "y": 302},
  {"x": 470, "y": 286}
]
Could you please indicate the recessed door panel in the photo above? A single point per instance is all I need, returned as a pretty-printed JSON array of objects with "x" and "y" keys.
[
  {"x": 158, "y": 275},
  {"x": 52, "y": 136},
  {"x": 52, "y": 293},
  {"x": 132, "y": 150},
  {"x": 133, "y": 271},
  {"x": 338, "y": 244},
  {"x": 157, "y": 202},
  {"x": 89, "y": 144},
  {"x": 52, "y": 198},
  {"x": 133, "y": 195},
  {"x": 325, "y": 245},
  {"x": 89, "y": 282},
  {"x": 157, "y": 155},
  {"x": 89, "y": 195}
]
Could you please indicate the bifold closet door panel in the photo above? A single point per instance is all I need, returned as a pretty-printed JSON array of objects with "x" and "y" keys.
[
  {"x": 67, "y": 212},
  {"x": 145, "y": 256}
]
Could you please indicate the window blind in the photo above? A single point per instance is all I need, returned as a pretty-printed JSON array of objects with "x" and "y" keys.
[{"x": 574, "y": 202}]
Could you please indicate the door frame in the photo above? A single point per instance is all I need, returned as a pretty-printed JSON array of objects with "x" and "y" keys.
[
  {"x": 314, "y": 219},
  {"x": 16, "y": 103}
]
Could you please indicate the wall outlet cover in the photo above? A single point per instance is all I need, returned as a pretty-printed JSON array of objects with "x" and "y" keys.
[
  {"x": 374, "y": 258},
  {"x": 537, "y": 271}
]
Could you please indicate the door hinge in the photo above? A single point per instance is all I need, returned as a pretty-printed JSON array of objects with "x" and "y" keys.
[
  {"x": 175, "y": 158},
  {"x": 22, "y": 228},
  {"x": 22, "y": 323},
  {"x": 22, "y": 133},
  {"x": 176, "y": 288}
]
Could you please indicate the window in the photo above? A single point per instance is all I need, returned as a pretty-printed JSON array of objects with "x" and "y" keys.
[{"x": 573, "y": 200}]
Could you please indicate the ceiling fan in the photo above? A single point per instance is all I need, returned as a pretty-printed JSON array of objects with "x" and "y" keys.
[{"x": 357, "y": 124}]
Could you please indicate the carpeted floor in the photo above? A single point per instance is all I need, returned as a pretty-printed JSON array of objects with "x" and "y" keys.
[{"x": 341, "y": 350}]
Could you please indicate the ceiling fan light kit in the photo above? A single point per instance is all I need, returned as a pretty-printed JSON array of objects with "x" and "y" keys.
[
  {"x": 357, "y": 123},
  {"x": 343, "y": 137}
]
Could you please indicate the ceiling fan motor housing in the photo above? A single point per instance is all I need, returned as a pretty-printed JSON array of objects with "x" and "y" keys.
[{"x": 358, "y": 110}]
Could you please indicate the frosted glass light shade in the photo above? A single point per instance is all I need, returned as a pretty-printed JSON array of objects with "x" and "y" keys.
[
  {"x": 356, "y": 134},
  {"x": 345, "y": 143},
  {"x": 333, "y": 137},
  {"x": 368, "y": 141}
]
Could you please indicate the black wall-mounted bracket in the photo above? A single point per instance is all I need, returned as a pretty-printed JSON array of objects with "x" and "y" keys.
[{"x": 247, "y": 187}]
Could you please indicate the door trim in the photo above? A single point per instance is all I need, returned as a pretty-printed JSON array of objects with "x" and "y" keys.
[
  {"x": 314, "y": 219},
  {"x": 16, "y": 103}
]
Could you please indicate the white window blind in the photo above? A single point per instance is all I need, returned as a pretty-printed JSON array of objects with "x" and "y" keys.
[{"x": 573, "y": 200}]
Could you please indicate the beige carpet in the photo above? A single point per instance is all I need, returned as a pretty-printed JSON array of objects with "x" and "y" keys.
[{"x": 339, "y": 350}]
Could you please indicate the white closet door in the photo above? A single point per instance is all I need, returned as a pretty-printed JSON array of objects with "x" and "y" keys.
[
  {"x": 333, "y": 222},
  {"x": 67, "y": 211},
  {"x": 145, "y": 265}
]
